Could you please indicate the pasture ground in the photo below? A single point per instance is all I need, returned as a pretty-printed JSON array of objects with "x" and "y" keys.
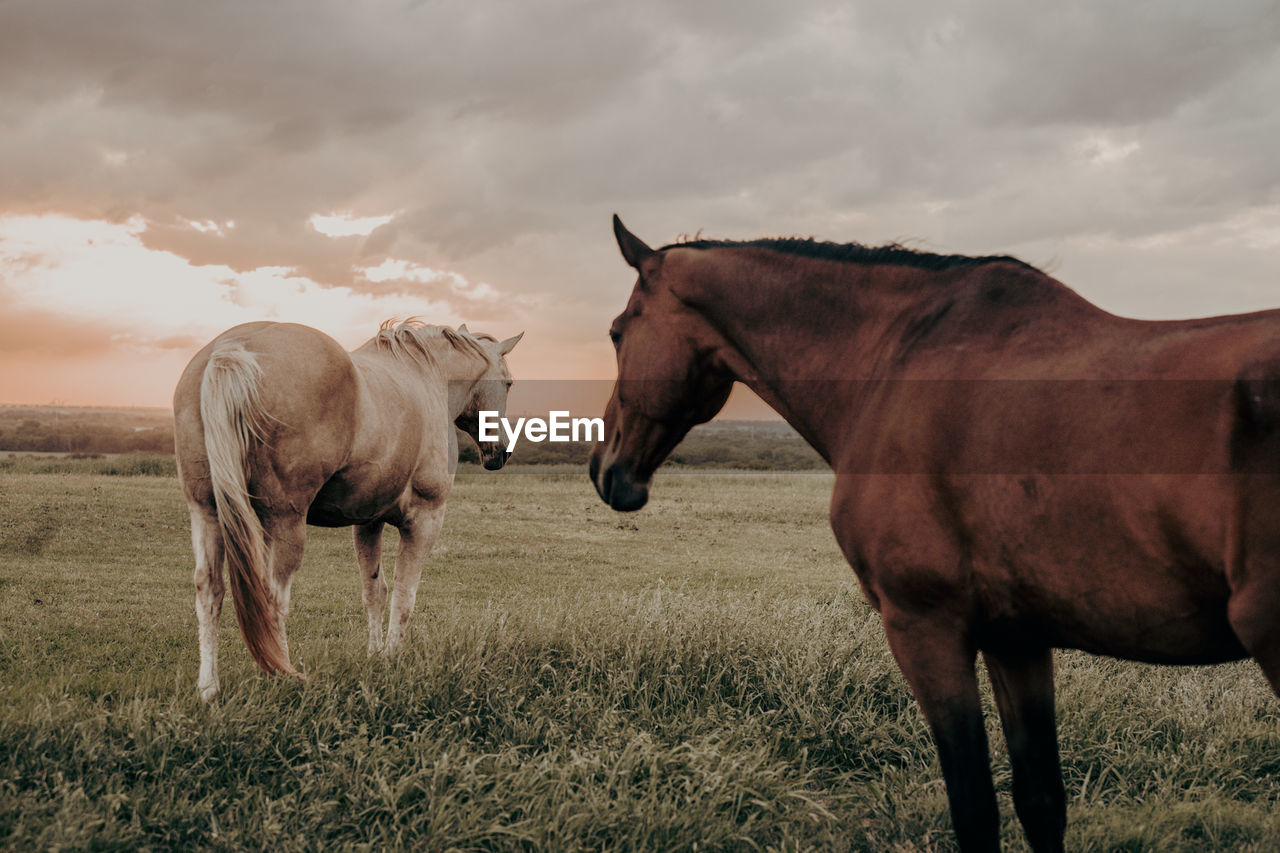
[{"x": 701, "y": 675}]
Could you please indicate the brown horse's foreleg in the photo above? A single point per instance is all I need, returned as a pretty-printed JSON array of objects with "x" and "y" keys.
[
  {"x": 206, "y": 541},
  {"x": 1023, "y": 683},
  {"x": 418, "y": 535},
  {"x": 374, "y": 586},
  {"x": 937, "y": 659}
]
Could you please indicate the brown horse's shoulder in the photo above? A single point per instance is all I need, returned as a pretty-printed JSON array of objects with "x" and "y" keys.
[{"x": 904, "y": 542}]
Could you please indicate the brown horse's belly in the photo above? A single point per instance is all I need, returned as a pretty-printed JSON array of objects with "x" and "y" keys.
[
  {"x": 1199, "y": 639},
  {"x": 1124, "y": 566},
  {"x": 1151, "y": 622}
]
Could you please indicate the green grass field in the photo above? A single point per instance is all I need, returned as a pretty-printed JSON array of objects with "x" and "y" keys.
[{"x": 701, "y": 675}]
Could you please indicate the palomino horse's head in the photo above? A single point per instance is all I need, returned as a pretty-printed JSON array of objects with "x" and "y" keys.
[
  {"x": 669, "y": 377},
  {"x": 489, "y": 394}
]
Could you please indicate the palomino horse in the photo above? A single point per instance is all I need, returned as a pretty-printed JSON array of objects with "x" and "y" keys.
[
  {"x": 276, "y": 427},
  {"x": 1017, "y": 470}
]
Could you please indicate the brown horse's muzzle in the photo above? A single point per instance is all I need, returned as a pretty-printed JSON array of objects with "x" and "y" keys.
[{"x": 617, "y": 487}]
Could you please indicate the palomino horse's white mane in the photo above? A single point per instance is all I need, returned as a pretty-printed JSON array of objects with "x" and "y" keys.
[{"x": 410, "y": 339}]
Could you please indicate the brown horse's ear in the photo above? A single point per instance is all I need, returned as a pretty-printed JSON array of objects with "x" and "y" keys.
[
  {"x": 633, "y": 248},
  {"x": 509, "y": 344}
]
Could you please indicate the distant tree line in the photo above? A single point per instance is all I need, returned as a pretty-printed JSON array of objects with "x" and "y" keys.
[
  {"x": 767, "y": 447},
  {"x": 47, "y": 430}
]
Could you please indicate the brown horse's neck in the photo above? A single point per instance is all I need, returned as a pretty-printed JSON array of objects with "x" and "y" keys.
[{"x": 807, "y": 334}]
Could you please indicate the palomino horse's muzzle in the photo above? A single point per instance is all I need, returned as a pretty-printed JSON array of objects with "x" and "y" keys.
[{"x": 493, "y": 456}]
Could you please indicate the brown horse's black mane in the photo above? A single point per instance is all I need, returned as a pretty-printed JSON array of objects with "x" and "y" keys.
[{"x": 890, "y": 253}]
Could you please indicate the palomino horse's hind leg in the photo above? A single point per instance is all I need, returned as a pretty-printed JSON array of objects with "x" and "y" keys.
[
  {"x": 374, "y": 585},
  {"x": 418, "y": 535},
  {"x": 937, "y": 659},
  {"x": 206, "y": 541},
  {"x": 1023, "y": 684},
  {"x": 286, "y": 540}
]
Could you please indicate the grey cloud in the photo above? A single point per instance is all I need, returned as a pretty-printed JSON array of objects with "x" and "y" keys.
[
  {"x": 1129, "y": 62},
  {"x": 1085, "y": 62},
  {"x": 380, "y": 242},
  {"x": 504, "y": 134}
]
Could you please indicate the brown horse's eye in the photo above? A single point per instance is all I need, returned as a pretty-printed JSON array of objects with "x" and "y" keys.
[{"x": 616, "y": 337}]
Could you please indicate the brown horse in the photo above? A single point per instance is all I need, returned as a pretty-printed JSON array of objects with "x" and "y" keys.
[
  {"x": 1017, "y": 470},
  {"x": 276, "y": 426}
]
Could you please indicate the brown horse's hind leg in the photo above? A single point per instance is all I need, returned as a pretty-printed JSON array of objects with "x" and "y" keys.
[
  {"x": 938, "y": 661},
  {"x": 1254, "y": 613},
  {"x": 1253, "y": 572},
  {"x": 206, "y": 541},
  {"x": 374, "y": 586},
  {"x": 1023, "y": 683},
  {"x": 418, "y": 535}
]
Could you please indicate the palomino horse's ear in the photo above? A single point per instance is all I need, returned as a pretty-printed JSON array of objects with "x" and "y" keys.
[
  {"x": 633, "y": 248},
  {"x": 509, "y": 344},
  {"x": 463, "y": 329}
]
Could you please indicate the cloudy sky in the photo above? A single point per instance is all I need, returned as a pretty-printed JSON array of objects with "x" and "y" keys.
[{"x": 171, "y": 168}]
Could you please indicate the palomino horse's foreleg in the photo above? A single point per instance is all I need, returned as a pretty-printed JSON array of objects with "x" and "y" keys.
[
  {"x": 374, "y": 585},
  {"x": 286, "y": 541},
  {"x": 1023, "y": 684},
  {"x": 418, "y": 536},
  {"x": 206, "y": 541},
  {"x": 937, "y": 659}
]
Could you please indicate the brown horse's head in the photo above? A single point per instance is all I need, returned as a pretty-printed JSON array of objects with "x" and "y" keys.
[
  {"x": 669, "y": 377},
  {"x": 489, "y": 394}
]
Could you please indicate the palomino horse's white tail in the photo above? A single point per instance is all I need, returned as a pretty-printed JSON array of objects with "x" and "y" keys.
[{"x": 233, "y": 417}]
